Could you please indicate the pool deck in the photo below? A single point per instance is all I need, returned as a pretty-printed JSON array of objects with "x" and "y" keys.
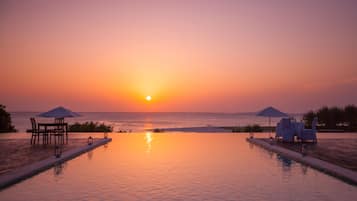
[
  {"x": 337, "y": 171},
  {"x": 24, "y": 172}
]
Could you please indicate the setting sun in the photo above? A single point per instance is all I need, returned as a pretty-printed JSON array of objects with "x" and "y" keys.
[
  {"x": 177, "y": 96},
  {"x": 148, "y": 98}
]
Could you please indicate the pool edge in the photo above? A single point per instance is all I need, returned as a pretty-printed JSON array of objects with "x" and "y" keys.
[
  {"x": 336, "y": 171},
  {"x": 30, "y": 170}
]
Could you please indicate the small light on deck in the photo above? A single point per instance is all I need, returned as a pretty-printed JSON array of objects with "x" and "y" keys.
[
  {"x": 90, "y": 140},
  {"x": 303, "y": 149},
  {"x": 105, "y": 135},
  {"x": 271, "y": 140}
]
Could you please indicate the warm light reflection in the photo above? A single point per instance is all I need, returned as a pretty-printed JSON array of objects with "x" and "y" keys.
[
  {"x": 186, "y": 166},
  {"x": 148, "y": 139}
]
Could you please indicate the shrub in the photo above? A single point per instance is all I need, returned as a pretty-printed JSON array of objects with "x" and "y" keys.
[
  {"x": 5, "y": 121},
  {"x": 236, "y": 130},
  {"x": 158, "y": 130},
  {"x": 334, "y": 117},
  {"x": 350, "y": 117},
  {"x": 257, "y": 128},
  {"x": 90, "y": 127},
  {"x": 253, "y": 128},
  {"x": 308, "y": 117}
]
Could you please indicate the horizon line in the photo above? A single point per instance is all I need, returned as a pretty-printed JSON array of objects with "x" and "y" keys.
[{"x": 156, "y": 112}]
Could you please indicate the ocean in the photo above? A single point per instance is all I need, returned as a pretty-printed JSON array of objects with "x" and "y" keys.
[{"x": 139, "y": 121}]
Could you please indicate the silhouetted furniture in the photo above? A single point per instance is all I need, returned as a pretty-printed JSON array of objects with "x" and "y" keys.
[
  {"x": 58, "y": 130},
  {"x": 310, "y": 134},
  {"x": 287, "y": 129},
  {"x": 36, "y": 132},
  {"x": 299, "y": 127}
]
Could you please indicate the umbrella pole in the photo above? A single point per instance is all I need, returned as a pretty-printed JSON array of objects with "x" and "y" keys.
[{"x": 270, "y": 130}]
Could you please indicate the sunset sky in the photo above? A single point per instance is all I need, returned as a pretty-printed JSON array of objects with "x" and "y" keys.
[{"x": 195, "y": 56}]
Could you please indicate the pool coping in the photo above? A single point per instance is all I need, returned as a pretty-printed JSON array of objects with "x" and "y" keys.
[
  {"x": 30, "y": 170},
  {"x": 339, "y": 172}
]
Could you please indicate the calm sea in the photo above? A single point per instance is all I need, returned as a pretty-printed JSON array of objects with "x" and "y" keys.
[{"x": 136, "y": 121}]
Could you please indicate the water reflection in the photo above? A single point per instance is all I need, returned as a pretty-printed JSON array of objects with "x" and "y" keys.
[
  {"x": 304, "y": 169},
  {"x": 148, "y": 138},
  {"x": 251, "y": 145},
  {"x": 285, "y": 162},
  {"x": 181, "y": 167},
  {"x": 58, "y": 169},
  {"x": 90, "y": 154}
]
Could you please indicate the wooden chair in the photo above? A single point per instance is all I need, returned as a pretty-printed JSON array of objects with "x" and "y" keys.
[
  {"x": 59, "y": 131},
  {"x": 36, "y": 132}
]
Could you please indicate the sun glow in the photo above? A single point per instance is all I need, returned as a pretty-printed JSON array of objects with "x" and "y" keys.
[{"x": 148, "y": 98}]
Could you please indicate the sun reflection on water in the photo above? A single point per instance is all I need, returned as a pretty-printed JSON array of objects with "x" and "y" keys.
[
  {"x": 187, "y": 166},
  {"x": 148, "y": 138}
]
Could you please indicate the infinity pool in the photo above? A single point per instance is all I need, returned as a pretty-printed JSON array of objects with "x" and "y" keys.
[{"x": 182, "y": 166}]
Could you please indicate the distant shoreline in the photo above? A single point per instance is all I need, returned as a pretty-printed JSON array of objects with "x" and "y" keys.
[
  {"x": 233, "y": 113},
  {"x": 229, "y": 129},
  {"x": 211, "y": 129},
  {"x": 202, "y": 129}
]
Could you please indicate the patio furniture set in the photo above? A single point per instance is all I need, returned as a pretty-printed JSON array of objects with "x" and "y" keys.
[
  {"x": 288, "y": 130},
  {"x": 57, "y": 129}
]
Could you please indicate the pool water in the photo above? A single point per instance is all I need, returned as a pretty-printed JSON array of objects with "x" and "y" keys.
[{"x": 181, "y": 166}]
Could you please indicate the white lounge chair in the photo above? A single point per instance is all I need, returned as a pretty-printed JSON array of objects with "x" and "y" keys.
[
  {"x": 310, "y": 134},
  {"x": 285, "y": 130},
  {"x": 299, "y": 127},
  {"x": 278, "y": 133}
]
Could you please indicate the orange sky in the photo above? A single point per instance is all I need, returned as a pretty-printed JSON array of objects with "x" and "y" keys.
[{"x": 217, "y": 56}]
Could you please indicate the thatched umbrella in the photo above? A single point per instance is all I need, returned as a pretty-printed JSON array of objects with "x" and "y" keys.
[{"x": 271, "y": 112}]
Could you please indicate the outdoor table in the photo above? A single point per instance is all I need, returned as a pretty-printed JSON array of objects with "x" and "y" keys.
[{"x": 54, "y": 125}]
